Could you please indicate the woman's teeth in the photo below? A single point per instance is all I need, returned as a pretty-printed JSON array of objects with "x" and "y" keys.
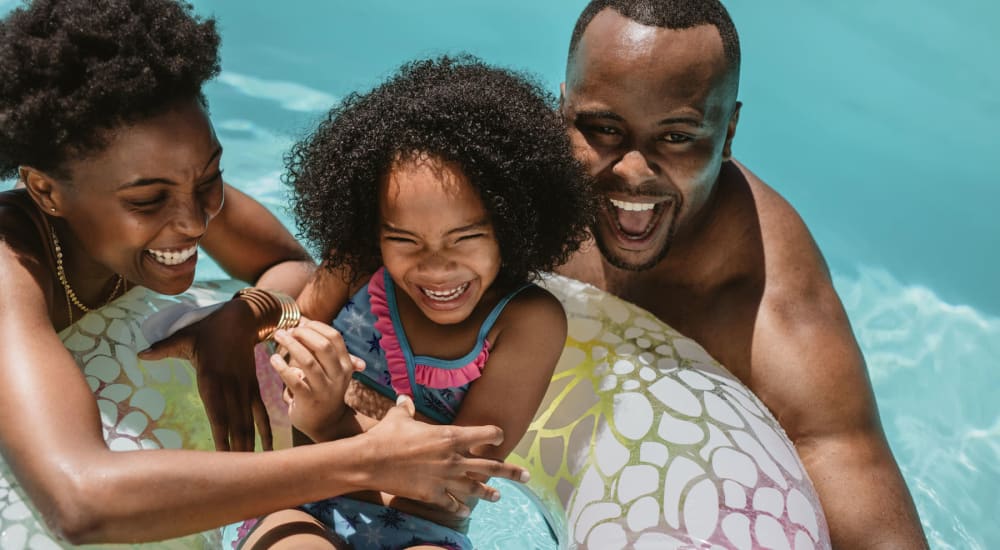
[
  {"x": 445, "y": 295},
  {"x": 633, "y": 206},
  {"x": 172, "y": 257}
]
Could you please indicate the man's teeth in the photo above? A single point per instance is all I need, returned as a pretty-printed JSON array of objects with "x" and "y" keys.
[
  {"x": 445, "y": 295},
  {"x": 172, "y": 257},
  {"x": 633, "y": 206}
]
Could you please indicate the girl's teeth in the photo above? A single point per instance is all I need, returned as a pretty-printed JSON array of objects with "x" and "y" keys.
[
  {"x": 444, "y": 296},
  {"x": 633, "y": 206},
  {"x": 172, "y": 257}
]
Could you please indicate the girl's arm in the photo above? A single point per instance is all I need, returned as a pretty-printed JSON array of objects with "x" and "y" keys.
[
  {"x": 51, "y": 438},
  {"x": 531, "y": 336}
]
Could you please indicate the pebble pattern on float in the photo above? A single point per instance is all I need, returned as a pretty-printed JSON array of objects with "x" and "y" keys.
[
  {"x": 644, "y": 441},
  {"x": 143, "y": 404}
]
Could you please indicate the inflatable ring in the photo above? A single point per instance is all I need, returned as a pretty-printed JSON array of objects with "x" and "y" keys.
[
  {"x": 143, "y": 404},
  {"x": 644, "y": 441}
]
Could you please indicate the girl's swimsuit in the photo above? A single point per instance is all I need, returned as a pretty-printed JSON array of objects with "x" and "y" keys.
[{"x": 373, "y": 331}]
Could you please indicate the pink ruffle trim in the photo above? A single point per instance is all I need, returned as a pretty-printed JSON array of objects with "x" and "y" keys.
[
  {"x": 425, "y": 375},
  {"x": 438, "y": 378}
]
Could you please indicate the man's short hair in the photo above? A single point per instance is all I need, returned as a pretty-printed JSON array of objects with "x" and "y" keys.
[{"x": 667, "y": 14}]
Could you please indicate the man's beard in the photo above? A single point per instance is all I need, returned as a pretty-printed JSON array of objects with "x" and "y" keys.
[{"x": 612, "y": 258}]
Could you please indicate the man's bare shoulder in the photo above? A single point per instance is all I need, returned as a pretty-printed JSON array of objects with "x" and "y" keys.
[
  {"x": 795, "y": 268},
  {"x": 803, "y": 346}
]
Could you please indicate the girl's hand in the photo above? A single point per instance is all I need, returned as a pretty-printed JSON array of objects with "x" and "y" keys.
[
  {"x": 316, "y": 374},
  {"x": 429, "y": 463},
  {"x": 221, "y": 349}
]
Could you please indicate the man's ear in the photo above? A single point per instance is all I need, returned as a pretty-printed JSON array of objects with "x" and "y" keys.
[
  {"x": 734, "y": 119},
  {"x": 43, "y": 189},
  {"x": 562, "y": 97}
]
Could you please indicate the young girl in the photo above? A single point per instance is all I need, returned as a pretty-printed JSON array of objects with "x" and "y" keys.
[{"x": 444, "y": 192}]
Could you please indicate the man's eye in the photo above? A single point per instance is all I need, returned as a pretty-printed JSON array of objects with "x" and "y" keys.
[
  {"x": 674, "y": 137},
  {"x": 604, "y": 136}
]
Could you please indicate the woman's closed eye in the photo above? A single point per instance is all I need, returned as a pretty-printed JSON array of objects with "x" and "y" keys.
[{"x": 147, "y": 203}]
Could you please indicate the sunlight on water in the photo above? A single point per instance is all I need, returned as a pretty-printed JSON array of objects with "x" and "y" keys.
[
  {"x": 933, "y": 366},
  {"x": 290, "y": 95}
]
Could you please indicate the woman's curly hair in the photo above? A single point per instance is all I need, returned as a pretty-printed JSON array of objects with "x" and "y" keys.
[
  {"x": 498, "y": 126},
  {"x": 72, "y": 68}
]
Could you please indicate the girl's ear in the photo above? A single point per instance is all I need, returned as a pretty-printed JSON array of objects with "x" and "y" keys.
[{"x": 42, "y": 188}]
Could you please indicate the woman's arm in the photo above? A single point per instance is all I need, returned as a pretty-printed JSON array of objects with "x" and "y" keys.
[
  {"x": 250, "y": 244},
  {"x": 51, "y": 437}
]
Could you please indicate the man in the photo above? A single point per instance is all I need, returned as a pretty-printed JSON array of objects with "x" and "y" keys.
[{"x": 694, "y": 237}]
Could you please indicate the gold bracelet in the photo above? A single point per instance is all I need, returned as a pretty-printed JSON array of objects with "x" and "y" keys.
[{"x": 266, "y": 302}]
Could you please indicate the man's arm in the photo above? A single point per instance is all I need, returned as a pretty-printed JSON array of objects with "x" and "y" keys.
[{"x": 809, "y": 370}]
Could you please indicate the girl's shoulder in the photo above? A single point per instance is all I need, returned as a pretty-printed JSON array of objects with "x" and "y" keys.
[{"x": 532, "y": 306}]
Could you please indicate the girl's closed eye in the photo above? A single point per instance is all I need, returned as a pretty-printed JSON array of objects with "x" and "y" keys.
[{"x": 470, "y": 237}]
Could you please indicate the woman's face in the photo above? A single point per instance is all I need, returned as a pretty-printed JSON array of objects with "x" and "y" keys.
[{"x": 140, "y": 206}]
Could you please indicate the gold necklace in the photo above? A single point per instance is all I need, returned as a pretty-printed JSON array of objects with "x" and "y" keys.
[{"x": 70, "y": 295}]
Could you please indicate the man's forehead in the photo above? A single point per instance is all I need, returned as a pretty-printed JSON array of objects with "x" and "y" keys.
[{"x": 614, "y": 45}]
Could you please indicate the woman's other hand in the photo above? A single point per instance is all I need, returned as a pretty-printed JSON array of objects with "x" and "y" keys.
[{"x": 221, "y": 349}]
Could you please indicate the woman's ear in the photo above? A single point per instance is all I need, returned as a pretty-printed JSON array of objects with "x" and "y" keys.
[{"x": 44, "y": 190}]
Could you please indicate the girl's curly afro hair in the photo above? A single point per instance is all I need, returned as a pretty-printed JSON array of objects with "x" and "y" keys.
[
  {"x": 72, "y": 68},
  {"x": 498, "y": 126}
]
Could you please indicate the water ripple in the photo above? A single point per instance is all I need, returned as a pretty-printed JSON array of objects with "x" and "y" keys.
[
  {"x": 290, "y": 95},
  {"x": 934, "y": 369}
]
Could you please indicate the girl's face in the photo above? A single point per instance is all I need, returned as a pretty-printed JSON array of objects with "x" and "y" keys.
[
  {"x": 436, "y": 238},
  {"x": 140, "y": 206}
]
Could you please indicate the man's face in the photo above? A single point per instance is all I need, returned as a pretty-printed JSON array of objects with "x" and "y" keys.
[{"x": 651, "y": 113}]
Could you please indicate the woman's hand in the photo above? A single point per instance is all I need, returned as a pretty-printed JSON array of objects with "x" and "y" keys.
[
  {"x": 428, "y": 463},
  {"x": 316, "y": 374},
  {"x": 221, "y": 349}
]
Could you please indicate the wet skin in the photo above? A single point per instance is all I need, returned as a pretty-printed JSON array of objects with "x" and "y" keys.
[{"x": 725, "y": 260}]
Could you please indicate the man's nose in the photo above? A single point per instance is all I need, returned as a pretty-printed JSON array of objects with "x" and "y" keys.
[{"x": 633, "y": 168}]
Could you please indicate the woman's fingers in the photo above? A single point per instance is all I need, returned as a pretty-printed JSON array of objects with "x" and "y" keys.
[
  {"x": 465, "y": 488},
  {"x": 293, "y": 378},
  {"x": 495, "y": 468}
]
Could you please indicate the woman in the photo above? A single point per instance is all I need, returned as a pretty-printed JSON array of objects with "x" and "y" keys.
[{"x": 103, "y": 122}]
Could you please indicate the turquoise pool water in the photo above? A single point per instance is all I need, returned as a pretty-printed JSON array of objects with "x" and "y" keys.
[{"x": 873, "y": 118}]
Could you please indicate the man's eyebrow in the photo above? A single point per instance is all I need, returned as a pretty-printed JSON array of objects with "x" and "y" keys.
[
  {"x": 141, "y": 182},
  {"x": 600, "y": 114},
  {"x": 693, "y": 121}
]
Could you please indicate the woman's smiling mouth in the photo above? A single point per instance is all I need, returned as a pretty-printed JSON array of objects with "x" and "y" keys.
[{"x": 172, "y": 257}]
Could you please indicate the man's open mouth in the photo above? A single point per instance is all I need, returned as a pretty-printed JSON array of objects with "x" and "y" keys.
[{"x": 637, "y": 220}]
